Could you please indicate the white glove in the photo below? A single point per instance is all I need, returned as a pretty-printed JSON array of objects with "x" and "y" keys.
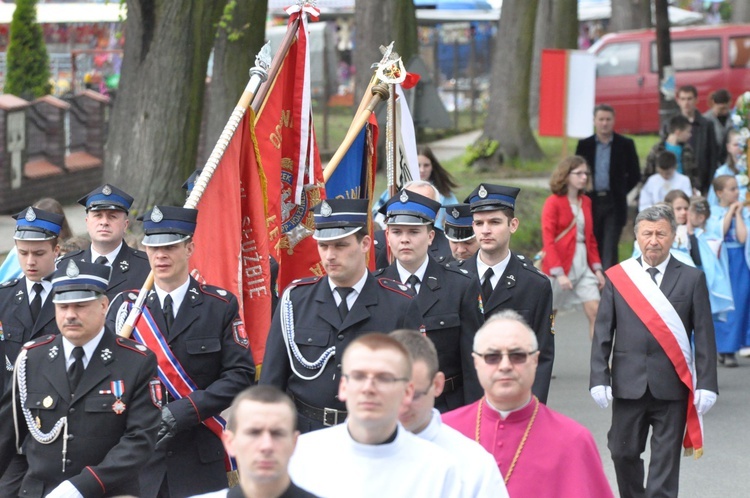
[
  {"x": 65, "y": 490},
  {"x": 602, "y": 395},
  {"x": 703, "y": 399}
]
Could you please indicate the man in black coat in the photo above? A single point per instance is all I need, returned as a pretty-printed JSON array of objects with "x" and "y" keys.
[
  {"x": 26, "y": 310},
  {"x": 508, "y": 280},
  {"x": 201, "y": 326},
  {"x": 448, "y": 298},
  {"x": 318, "y": 317},
  {"x": 615, "y": 170},
  {"x": 649, "y": 385},
  {"x": 107, "y": 209},
  {"x": 84, "y": 415}
]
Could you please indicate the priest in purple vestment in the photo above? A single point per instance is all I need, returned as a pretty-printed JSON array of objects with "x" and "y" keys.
[{"x": 540, "y": 452}]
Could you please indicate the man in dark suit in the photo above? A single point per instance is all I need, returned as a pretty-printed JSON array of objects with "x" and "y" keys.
[
  {"x": 448, "y": 298},
  {"x": 508, "y": 280},
  {"x": 26, "y": 310},
  {"x": 439, "y": 249},
  {"x": 615, "y": 170},
  {"x": 107, "y": 209},
  {"x": 83, "y": 412},
  {"x": 317, "y": 318},
  {"x": 648, "y": 306},
  {"x": 200, "y": 325}
]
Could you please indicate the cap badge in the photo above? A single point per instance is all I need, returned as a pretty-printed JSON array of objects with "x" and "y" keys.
[
  {"x": 325, "y": 210},
  {"x": 156, "y": 215},
  {"x": 72, "y": 270},
  {"x": 30, "y": 215},
  {"x": 404, "y": 197},
  {"x": 482, "y": 192},
  {"x": 455, "y": 213},
  {"x": 107, "y": 190}
]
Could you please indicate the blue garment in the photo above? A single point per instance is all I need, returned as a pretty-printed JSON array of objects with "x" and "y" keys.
[
  {"x": 677, "y": 151},
  {"x": 601, "y": 171},
  {"x": 10, "y": 268},
  {"x": 717, "y": 276},
  {"x": 713, "y": 199},
  {"x": 735, "y": 331}
]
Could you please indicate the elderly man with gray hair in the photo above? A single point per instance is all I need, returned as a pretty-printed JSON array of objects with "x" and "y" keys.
[
  {"x": 540, "y": 452},
  {"x": 654, "y": 324}
]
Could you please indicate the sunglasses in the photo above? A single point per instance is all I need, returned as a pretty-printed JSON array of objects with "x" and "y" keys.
[{"x": 515, "y": 357}]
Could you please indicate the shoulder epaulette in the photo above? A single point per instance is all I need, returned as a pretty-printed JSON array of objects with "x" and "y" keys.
[
  {"x": 526, "y": 263},
  {"x": 132, "y": 345},
  {"x": 10, "y": 283},
  {"x": 456, "y": 268},
  {"x": 39, "y": 342},
  {"x": 305, "y": 281},
  {"x": 394, "y": 286},
  {"x": 217, "y": 292},
  {"x": 128, "y": 295},
  {"x": 138, "y": 253}
]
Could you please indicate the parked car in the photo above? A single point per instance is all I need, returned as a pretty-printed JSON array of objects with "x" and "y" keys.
[{"x": 707, "y": 57}]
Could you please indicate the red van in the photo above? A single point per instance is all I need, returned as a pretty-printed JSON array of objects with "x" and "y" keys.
[{"x": 707, "y": 57}]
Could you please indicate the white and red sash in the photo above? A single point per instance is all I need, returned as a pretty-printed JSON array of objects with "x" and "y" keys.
[
  {"x": 653, "y": 308},
  {"x": 171, "y": 372}
]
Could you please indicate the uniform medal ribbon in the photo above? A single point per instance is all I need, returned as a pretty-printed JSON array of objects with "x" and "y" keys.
[{"x": 118, "y": 389}]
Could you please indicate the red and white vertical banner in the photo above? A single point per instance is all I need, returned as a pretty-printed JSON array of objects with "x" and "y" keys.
[{"x": 566, "y": 93}]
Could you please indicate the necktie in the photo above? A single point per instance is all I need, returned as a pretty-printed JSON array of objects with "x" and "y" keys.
[
  {"x": 168, "y": 313},
  {"x": 36, "y": 304},
  {"x": 75, "y": 372},
  {"x": 412, "y": 282},
  {"x": 102, "y": 260},
  {"x": 487, "y": 285},
  {"x": 653, "y": 272},
  {"x": 343, "y": 307}
]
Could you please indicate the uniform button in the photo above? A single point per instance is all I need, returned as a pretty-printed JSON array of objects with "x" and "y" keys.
[
  {"x": 72, "y": 410},
  {"x": 38, "y": 403},
  {"x": 104, "y": 405},
  {"x": 9, "y": 336},
  {"x": 500, "y": 444},
  {"x": 25, "y": 491},
  {"x": 203, "y": 348},
  {"x": 309, "y": 340},
  {"x": 70, "y": 437},
  {"x": 442, "y": 322},
  {"x": 68, "y": 461},
  {"x": 502, "y": 426},
  {"x": 340, "y": 337},
  {"x": 338, "y": 366}
]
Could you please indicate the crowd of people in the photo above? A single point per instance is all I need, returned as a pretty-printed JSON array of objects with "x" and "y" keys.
[{"x": 433, "y": 370}]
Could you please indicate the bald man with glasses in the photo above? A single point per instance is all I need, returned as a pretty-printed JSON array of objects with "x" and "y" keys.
[{"x": 527, "y": 439}]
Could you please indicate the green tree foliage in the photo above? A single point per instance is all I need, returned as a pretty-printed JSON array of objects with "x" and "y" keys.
[{"x": 28, "y": 63}]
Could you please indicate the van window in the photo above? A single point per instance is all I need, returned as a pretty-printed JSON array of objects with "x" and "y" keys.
[
  {"x": 618, "y": 59},
  {"x": 692, "y": 55},
  {"x": 739, "y": 51}
]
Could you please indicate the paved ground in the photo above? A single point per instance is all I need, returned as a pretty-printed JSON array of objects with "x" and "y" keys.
[{"x": 721, "y": 472}]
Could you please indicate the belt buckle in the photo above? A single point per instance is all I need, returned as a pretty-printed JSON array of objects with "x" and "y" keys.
[{"x": 330, "y": 411}]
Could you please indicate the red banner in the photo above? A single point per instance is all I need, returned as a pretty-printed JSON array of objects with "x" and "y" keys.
[
  {"x": 292, "y": 164},
  {"x": 231, "y": 240}
]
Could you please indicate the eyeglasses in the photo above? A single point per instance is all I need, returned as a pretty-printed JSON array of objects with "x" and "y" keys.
[
  {"x": 378, "y": 380},
  {"x": 515, "y": 357},
  {"x": 580, "y": 173}
]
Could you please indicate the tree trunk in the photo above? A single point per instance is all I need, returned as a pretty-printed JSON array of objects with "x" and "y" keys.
[
  {"x": 509, "y": 93},
  {"x": 630, "y": 14},
  {"x": 372, "y": 29},
  {"x": 235, "y": 49},
  {"x": 153, "y": 132},
  {"x": 556, "y": 26},
  {"x": 405, "y": 29},
  {"x": 740, "y": 11}
]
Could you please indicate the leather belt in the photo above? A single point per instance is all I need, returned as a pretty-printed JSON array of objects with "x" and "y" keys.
[
  {"x": 453, "y": 383},
  {"x": 328, "y": 416}
]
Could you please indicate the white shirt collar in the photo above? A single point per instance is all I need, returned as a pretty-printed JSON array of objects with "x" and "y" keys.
[
  {"x": 352, "y": 297},
  {"x": 661, "y": 266},
  {"x": 46, "y": 289},
  {"x": 178, "y": 295},
  {"x": 110, "y": 257},
  {"x": 430, "y": 433},
  {"x": 497, "y": 270},
  {"x": 403, "y": 273},
  {"x": 504, "y": 413},
  {"x": 88, "y": 349}
]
